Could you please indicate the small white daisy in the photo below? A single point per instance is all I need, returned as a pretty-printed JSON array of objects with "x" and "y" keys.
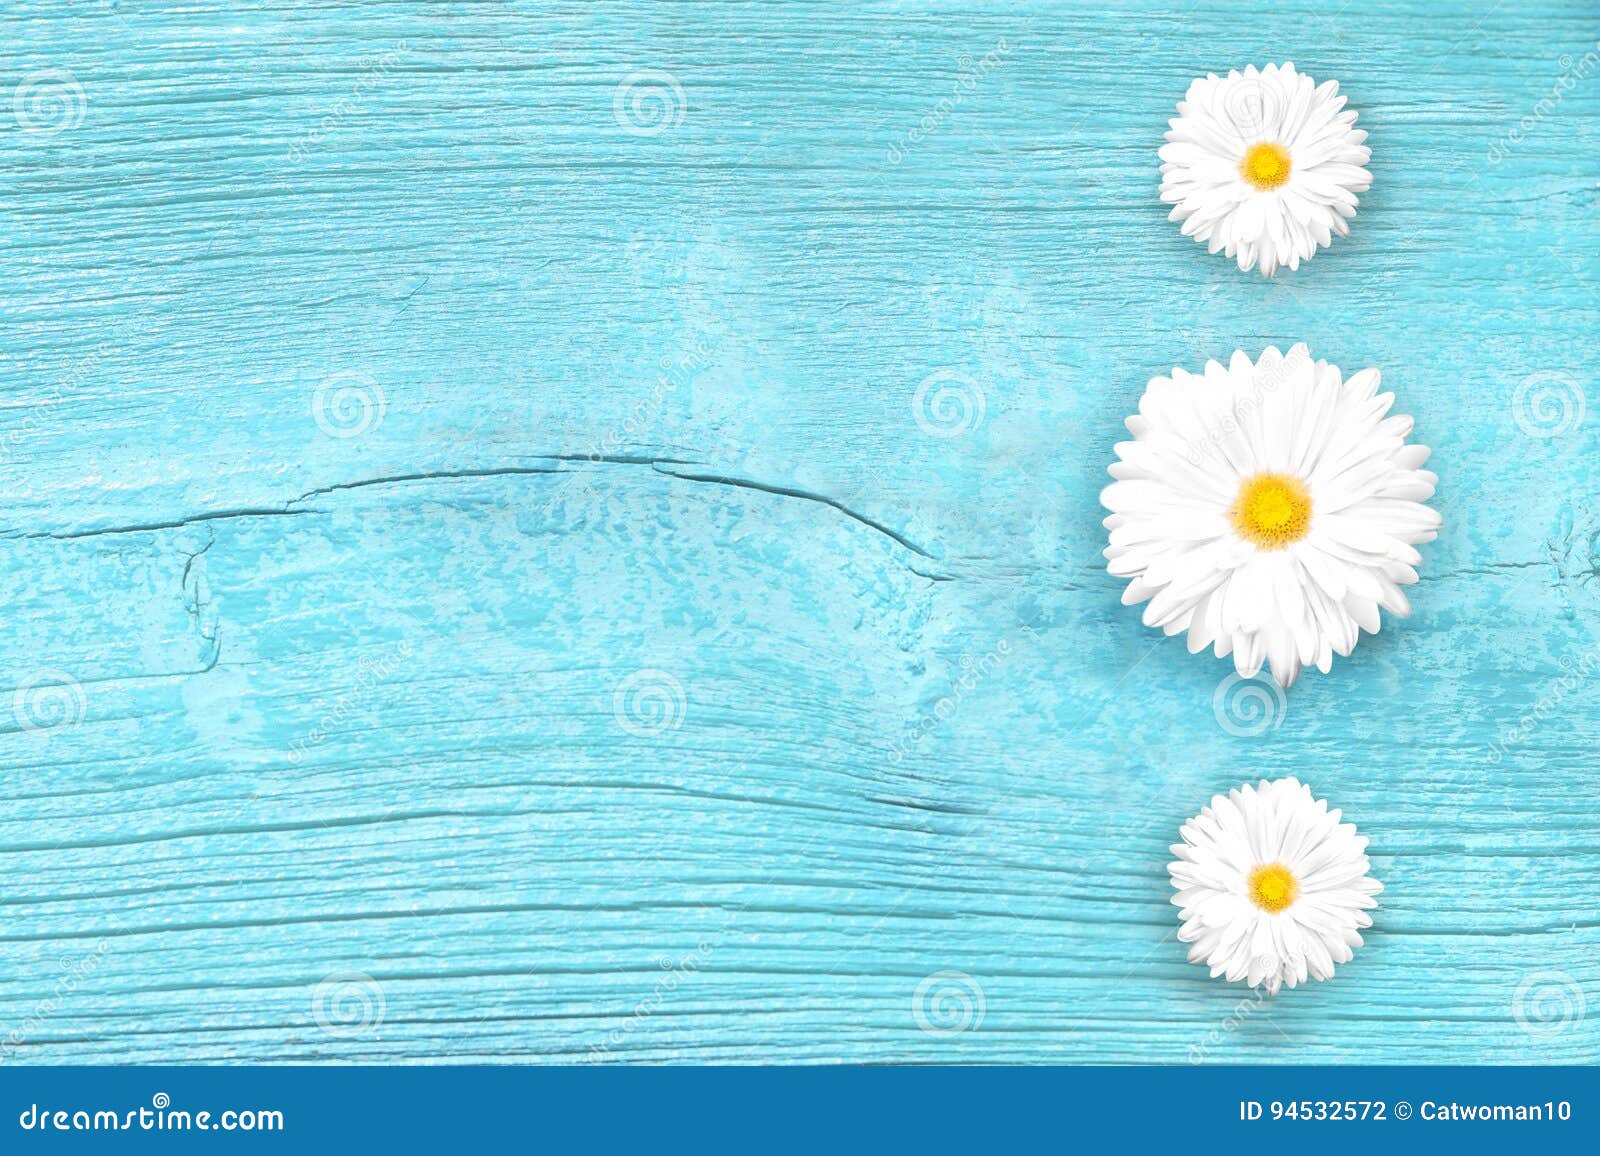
[
  {"x": 1268, "y": 509},
  {"x": 1272, "y": 886},
  {"x": 1264, "y": 165}
]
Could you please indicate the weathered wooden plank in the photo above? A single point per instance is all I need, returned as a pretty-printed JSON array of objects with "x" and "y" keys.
[{"x": 480, "y": 589}]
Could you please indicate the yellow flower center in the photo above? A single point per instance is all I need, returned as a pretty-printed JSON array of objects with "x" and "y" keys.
[
  {"x": 1273, "y": 888},
  {"x": 1272, "y": 510},
  {"x": 1265, "y": 165}
]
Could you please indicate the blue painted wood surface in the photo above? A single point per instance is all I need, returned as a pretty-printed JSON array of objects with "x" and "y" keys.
[{"x": 480, "y": 589}]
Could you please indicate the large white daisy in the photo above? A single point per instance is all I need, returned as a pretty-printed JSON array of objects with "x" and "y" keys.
[
  {"x": 1273, "y": 888},
  {"x": 1268, "y": 509},
  {"x": 1264, "y": 166}
]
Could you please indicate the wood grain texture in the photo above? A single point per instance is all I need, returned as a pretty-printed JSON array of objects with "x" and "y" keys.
[{"x": 321, "y": 747}]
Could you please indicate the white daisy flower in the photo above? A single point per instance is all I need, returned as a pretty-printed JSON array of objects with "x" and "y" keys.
[
  {"x": 1264, "y": 166},
  {"x": 1273, "y": 888},
  {"x": 1268, "y": 510}
]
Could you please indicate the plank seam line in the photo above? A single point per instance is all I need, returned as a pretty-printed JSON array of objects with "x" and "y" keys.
[
  {"x": 289, "y": 509},
  {"x": 807, "y": 496}
]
